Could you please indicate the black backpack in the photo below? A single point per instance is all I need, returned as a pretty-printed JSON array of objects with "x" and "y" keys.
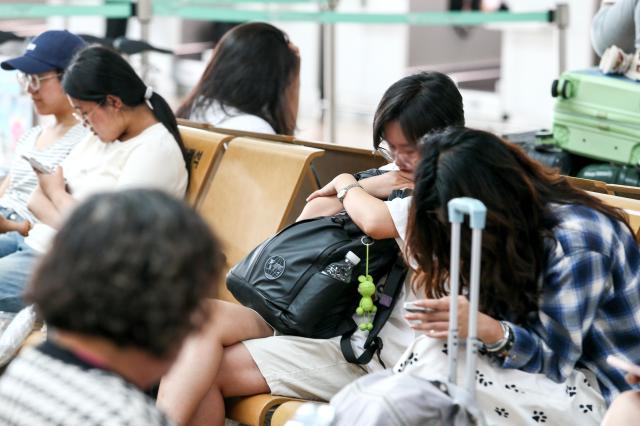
[{"x": 281, "y": 279}]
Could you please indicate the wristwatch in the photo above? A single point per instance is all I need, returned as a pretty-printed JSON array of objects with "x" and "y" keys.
[{"x": 343, "y": 192}]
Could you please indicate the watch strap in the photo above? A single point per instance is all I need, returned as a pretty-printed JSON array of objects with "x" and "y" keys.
[{"x": 343, "y": 192}]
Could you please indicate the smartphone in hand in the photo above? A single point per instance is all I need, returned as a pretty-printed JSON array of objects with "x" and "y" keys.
[
  {"x": 413, "y": 307},
  {"x": 623, "y": 365},
  {"x": 37, "y": 166}
]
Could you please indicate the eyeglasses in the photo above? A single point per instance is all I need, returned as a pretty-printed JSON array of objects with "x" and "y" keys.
[
  {"x": 386, "y": 154},
  {"x": 390, "y": 154},
  {"x": 83, "y": 117},
  {"x": 33, "y": 81}
]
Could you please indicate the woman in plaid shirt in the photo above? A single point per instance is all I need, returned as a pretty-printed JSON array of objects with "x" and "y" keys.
[{"x": 560, "y": 285}]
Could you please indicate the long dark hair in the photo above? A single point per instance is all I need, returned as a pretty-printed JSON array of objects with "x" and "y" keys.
[
  {"x": 251, "y": 69},
  {"x": 420, "y": 103},
  {"x": 98, "y": 71},
  {"x": 517, "y": 191}
]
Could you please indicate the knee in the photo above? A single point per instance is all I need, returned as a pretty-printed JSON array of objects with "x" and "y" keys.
[
  {"x": 219, "y": 328},
  {"x": 239, "y": 374},
  {"x": 230, "y": 373},
  {"x": 230, "y": 323}
]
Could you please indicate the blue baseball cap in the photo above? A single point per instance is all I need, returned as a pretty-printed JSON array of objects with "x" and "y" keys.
[{"x": 48, "y": 51}]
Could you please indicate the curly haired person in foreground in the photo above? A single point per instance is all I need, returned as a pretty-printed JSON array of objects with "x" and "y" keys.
[{"x": 120, "y": 289}]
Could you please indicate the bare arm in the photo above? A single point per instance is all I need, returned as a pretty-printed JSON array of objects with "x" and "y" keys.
[
  {"x": 43, "y": 209},
  {"x": 368, "y": 212},
  {"x": 323, "y": 202},
  {"x": 379, "y": 186},
  {"x": 51, "y": 202},
  {"x": 5, "y": 185},
  {"x": 382, "y": 185},
  {"x": 54, "y": 187},
  {"x": 320, "y": 206}
]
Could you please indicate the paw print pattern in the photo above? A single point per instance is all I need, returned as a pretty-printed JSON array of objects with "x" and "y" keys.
[
  {"x": 586, "y": 408},
  {"x": 514, "y": 388},
  {"x": 539, "y": 416},
  {"x": 502, "y": 412},
  {"x": 482, "y": 379},
  {"x": 571, "y": 391},
  {"x": 411, "y": 359}
]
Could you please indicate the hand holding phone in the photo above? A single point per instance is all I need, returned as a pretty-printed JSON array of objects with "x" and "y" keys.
[
  {"x": 37, "y": 166},
  {"x": 413, "y": 307},
  {"x": 626, "y": 366}
]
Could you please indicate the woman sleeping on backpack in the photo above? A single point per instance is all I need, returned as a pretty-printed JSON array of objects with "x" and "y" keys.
[
  {"x": 560, "y": 283},
  {"x": 237, "y": 353}
]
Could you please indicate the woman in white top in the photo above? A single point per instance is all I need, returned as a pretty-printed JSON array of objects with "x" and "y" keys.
[
  {"x": 251, "y": 82},
  {"x": 134, "y": 143},
  {"x": 40, "y": 71},
  {"x": 214, "y": 364}
]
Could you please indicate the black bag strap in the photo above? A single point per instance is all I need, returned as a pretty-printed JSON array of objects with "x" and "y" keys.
[
  {"x": 343, "y": 219},
  {"x": 387, "y": 299}
]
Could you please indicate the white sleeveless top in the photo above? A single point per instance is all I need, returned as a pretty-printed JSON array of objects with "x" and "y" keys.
[{"x": 232, "y": 118}]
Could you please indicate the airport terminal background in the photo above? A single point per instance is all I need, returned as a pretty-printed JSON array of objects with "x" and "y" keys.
[
  {"x": 523, "y": 73},
  {"x": 504, "y": 70}
]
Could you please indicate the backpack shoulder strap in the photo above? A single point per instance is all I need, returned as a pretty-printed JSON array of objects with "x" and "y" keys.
[{"x": 386, "y": 301}]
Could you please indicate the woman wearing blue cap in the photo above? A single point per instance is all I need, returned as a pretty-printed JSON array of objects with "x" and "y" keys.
[{"x": 40, "y": 71}]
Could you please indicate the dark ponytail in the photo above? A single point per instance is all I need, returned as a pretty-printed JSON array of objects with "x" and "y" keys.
[{"x": 97, "y": 71}]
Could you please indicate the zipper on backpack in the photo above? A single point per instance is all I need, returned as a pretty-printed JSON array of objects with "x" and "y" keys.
[{"x": 267, "y": 242}]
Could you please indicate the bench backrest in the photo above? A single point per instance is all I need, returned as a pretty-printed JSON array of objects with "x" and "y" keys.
[
  {"x": 205, "y": 149},
  {"x": 252, "y": 193},
  {"x": 337, "y": 159},
  {"x": 589, "y": 185},
  {"x": 624, "y": 191},
  {"x": 630, "y": 206}
]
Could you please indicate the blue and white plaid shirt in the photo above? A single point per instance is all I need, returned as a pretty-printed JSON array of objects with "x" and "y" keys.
[{"x": 589, "y": 303}]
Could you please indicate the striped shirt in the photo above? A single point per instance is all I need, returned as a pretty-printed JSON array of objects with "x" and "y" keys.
[
  {"x": 589, "y": 304},
  {"x": 49, "y": 385},
  {"x": 23, "y": 178}
]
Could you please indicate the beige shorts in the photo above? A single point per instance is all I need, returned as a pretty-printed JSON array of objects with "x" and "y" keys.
[{"x": 300, "y": 367}]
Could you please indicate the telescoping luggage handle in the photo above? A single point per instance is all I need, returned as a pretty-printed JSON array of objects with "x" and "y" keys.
[{"x": 477, "y": 212}]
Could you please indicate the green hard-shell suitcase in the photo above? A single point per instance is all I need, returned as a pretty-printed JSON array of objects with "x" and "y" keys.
[{"x": 597, "y": 116}]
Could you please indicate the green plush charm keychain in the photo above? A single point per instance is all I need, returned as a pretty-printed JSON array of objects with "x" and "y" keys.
[{"x": 367, "y": 290}]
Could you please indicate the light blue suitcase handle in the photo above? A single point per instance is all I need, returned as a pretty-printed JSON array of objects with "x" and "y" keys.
[{"x": 477, "y": 211}]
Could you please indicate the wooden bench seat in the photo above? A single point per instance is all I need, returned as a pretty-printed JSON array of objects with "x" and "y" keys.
[{"x": 259, "y": 410}]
